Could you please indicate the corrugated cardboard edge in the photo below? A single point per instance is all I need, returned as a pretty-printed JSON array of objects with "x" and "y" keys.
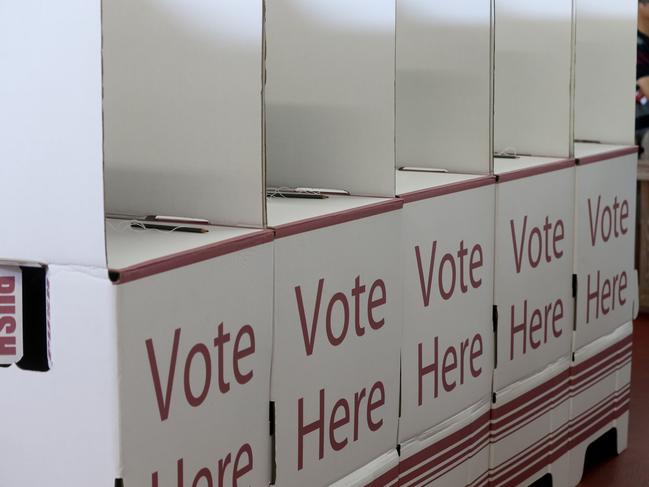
[
  {"x": 309, "y": 224},
  {"x": 188, "y": 257},
  {"x": 535, "y": 171},
  {"x": 606, "y": 155},
  {"x": 446, "y": 189}
]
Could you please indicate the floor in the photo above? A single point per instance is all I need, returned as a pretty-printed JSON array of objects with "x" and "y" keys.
[{"x": 631, "y": 468}]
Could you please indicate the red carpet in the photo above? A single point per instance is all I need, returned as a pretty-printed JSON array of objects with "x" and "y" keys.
[{"x": 631, "y": 468}]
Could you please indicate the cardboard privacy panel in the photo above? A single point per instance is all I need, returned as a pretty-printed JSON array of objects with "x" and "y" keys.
[
  {"x": 182, "y": 108},
  {"x": 533, "y": 75},
  {"x": 604, "y": 101},
  {"x": 444, "y": 85},
  {"x": 330, "y": 95},
  {"x": 51, "y": 132},
  {"x": 178, "y": 131}
]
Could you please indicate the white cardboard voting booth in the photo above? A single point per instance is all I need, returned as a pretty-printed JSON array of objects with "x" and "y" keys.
[
  {"x": 444, "y": 145},
  {"x": 535, "y": 193},
  {"x": 156, "y": 109},
  {"x": 606, "y": 282},
  {"x": 338, "y": 299},
  {"x": 159, "y": 375},
  {"x": 335, "y": 376},
  {"x": 448, "y": 342},
  {"x": 605, "y": 215},
  {"x": 146, "y": 341},
  {"x": 444, "y": 120},
  {"x": 534, "y": 306}
]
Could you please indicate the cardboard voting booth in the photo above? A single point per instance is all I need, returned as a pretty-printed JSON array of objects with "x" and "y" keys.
[
  {"x": 448, "y": 342},
  {"x": 158, "y": 101},
  {"x": 444, "y": 146},
  {"x": 605, "y": 277},
  {"x": 146, "y": 339},
  {"x": 338, "y": 298},
  {"x": 163, "y": 369},
  {"x": 606, "y": 284},
  {"x": 534, "y": 311},
  {"x": 335, "y": 377},
  {"x": 535, "y": 194}
]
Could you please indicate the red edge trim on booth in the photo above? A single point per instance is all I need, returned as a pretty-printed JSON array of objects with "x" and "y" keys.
[
  {"x": 188, "y": 257},
  {"x": 445, "y": 189},
  {"x": 605, "y": 156},
  {"x": 309, "y": 224},
  {"x": 533, "y": 171}
]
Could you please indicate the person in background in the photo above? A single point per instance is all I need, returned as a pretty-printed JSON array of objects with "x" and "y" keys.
[{"x": 642, "y": 74}]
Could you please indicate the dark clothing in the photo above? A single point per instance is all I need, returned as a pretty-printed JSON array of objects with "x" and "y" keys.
[
  {"x": 642, "y": 65},
  {"x": 642, "y": 99}
]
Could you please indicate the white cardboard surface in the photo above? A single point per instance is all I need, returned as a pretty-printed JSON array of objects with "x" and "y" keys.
[
  {"x": 128, "y": 246},
  {"x": 448, "y": 341},
  {"x": 604, "y": 98},
  {"x": 183, "y": 109},
  {"x": 51, "y": 133},
  {"x": 371, "y": 472},
  {"x": 444, "y": 85},
  {"x": 605, "y": 215},
  {"x": 330, "y": 94},
  {"x": 172, "y": 385},
  {"x": 288, "y": 210},
  {"x": 533, "y": 72},
  {"x": 346, "y": 372},
  {"x": 533, "y": 273},
  {"x": 55, "y": 416},
  {"x": 203, "y": 417}
]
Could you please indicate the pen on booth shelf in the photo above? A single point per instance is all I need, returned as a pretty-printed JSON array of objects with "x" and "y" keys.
[
  {"x": 422, "y": 169},
  {"x": 168, "y": 228},
  {"x": 341, "y": 192}
]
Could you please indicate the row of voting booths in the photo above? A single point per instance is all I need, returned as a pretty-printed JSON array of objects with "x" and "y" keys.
[{"x": 312, "y": 243}]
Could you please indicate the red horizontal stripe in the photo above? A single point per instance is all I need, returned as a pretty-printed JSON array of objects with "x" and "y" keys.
[
  {"x": 188, "y": 257},
  {"x": 480, "y": 481},
  {"x": 530, "y": 395},
  {"x": 606, "y": 156},
  {"x": 598, "y": 357},
  {"x": 534, "y": 415},
  {"x": 445, "y": 189},
  {"x": 562, "y": 444},
  {"x": 476, "y": 438},
  {"x": 460, "y": 459},
  {"x": 600, "y": 375},
  {"x": 337, "y": 218},
  {"x": 534, "y": 171},
  {"x": 445, "y": 443},
  {"x": 538, "y": 401},
  {"x": 622, "y": 355}
]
